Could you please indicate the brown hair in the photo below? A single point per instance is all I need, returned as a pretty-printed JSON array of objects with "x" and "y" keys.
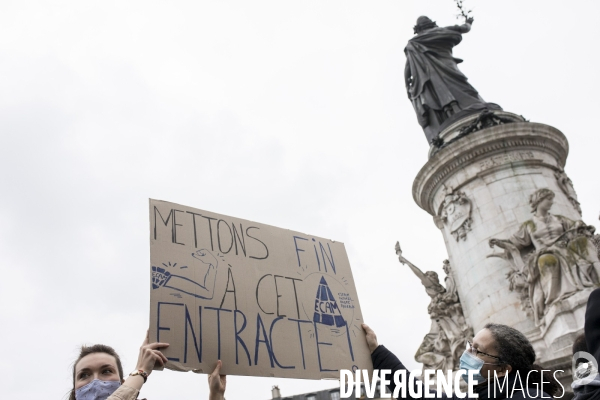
[{"x": 97, "y": 348}]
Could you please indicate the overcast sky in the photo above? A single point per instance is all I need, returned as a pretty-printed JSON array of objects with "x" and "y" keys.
[{"x": 292, "y": 114}]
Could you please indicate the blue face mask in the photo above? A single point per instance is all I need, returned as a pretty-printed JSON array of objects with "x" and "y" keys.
[
  {"x": 469, "y": 362},
  {"x": 96, "y": 390}
]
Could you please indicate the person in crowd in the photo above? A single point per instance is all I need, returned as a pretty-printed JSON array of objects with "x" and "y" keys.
[
  {"x": 582, "y": 366},
  {"x": 588, "y": 386},
  {"x": 579, "y": 344},
  {"x": 98, "y": 373},
  {"x": 496, "y": 350}
]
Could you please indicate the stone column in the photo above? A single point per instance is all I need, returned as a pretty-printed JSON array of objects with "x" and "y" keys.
[{"x": 477, "y": 187}]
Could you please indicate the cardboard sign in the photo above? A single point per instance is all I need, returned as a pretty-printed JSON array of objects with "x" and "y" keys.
[{"x": 264, "y": 300}]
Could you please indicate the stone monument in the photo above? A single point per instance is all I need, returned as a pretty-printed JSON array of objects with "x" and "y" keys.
[{"x": 496, "y": 179}]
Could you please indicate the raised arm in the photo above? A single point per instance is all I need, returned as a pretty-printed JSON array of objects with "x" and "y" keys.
[
  {"x": 217, "y": 383},
  {"x": 424, "y": 278},
  {"x": 149, "y": 357},
  {"x": 464, "y": 28},
  {"x": 383, "y": 359}
]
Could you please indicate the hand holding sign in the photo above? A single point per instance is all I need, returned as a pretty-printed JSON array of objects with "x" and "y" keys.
[
  {"x": 150, "y": 357},
  {"x": 371, "y": 337},
  {"x": 217, "y": 383}
]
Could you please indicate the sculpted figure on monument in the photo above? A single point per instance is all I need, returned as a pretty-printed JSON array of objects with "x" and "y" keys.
[
  {"x": 439, "y": 92},
  {"x": 553, "y": 256},
  {"x": 566, "y": 185},
  {"x": 451, "y": 298},
  {"x": 444, "y": 344},
  {"x": 455, "y": 212},
  {"x": 434, "y": 352}
]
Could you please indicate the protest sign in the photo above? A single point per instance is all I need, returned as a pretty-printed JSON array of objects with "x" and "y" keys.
[{"x": 266, "y": 301}]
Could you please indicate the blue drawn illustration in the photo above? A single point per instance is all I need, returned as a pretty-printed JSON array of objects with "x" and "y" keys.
[
  {"x": 327, "y": 311},
  {"x": 206, "y": 269}
]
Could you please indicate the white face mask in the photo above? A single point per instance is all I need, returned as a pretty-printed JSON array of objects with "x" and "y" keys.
[{"x": 96, "y": 390}]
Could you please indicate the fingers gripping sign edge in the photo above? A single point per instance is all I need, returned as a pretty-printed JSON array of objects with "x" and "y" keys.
[
  {"x": 371, "y": 337},
  {"x": 150, "y": 357}
]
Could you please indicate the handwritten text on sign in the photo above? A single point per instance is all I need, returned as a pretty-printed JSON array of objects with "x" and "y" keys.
[{"x": 264, "y": 300}]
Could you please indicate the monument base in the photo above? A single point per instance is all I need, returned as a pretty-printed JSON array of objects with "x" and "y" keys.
[{"x": 477, "y": 185}]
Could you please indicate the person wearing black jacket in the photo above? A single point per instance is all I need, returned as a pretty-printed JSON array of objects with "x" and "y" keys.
[
  {"x": 591, "y": 390},
  {"x": 497, "y": 348}
]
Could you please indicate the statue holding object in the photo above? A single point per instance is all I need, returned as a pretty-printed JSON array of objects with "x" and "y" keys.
[
  {"x": 444, "y": 344},
  {"x": 438, "y": 90}
]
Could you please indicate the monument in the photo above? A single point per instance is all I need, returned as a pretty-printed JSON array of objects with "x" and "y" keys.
[{"x": 494, "y": 179}]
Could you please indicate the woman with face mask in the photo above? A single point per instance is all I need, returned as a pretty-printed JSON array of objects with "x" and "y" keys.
[
  {"x": 98, "y": 374},
  {"x": 496, "y": 350}
]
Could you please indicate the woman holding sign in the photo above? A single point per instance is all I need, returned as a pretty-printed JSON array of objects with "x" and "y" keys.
[{"x": 98, "y": 373}]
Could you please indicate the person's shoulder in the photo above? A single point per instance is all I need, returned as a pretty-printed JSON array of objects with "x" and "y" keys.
[
  {"x": 595, "y": 295},
  {"x": 529, "y": 225},
  {"x": 124, "y": 392},
  {"x": 561, "y": 218},
  {"x": 593, "y": 308}
]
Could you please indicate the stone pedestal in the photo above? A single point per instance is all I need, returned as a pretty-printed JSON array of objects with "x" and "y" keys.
[{"x": 477, "y": 187}]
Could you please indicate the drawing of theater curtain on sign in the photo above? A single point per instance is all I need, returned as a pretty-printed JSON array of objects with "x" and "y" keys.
[
  {"x": 266, "y": 301},
  {"x": 327, "y": 311}
]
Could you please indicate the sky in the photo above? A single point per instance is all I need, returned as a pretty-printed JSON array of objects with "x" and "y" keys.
[{"x": 289, "y": 113}]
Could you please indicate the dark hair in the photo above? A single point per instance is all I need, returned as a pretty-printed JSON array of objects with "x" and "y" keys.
[
  {"x": 514, "y": 349},
  {"x": 97, "y": 348},
  {"x": 580, "y": 345}
]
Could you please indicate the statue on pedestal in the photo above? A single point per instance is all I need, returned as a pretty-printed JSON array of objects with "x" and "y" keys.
[
  {"x": 444, "y": 344},
  {"x": 553, "y": 257},
  {"x": 439, "y": 92}
]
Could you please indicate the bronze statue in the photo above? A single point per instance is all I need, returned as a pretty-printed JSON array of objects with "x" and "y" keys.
[{"x": 439, "y": 92}]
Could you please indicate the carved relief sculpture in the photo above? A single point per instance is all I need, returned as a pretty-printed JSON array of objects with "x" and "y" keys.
[
  {"x": 552, "y": 257},
  {"x": 566, "y": 185},
  {"x": 444, "y": 344},
  {"x": 456, "y": 214}
]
